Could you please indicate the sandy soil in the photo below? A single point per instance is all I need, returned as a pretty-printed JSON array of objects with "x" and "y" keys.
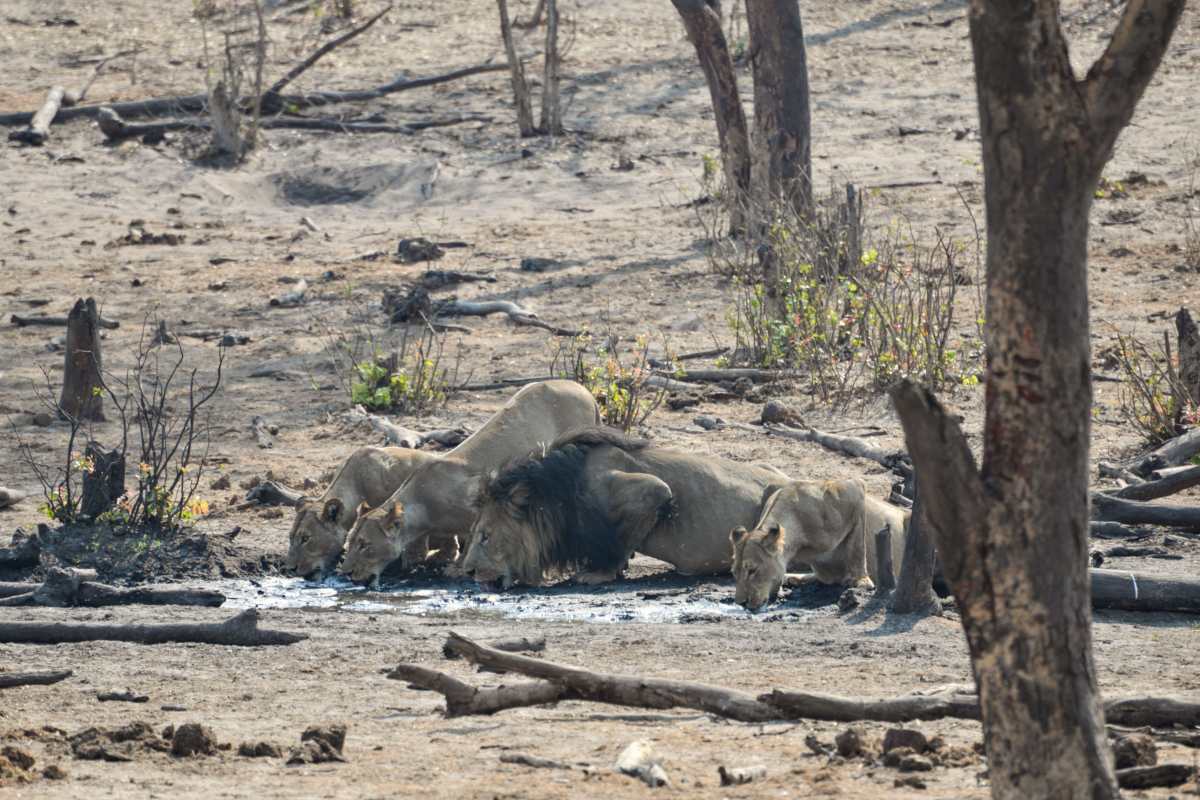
[{"x": 632, "y": 261}]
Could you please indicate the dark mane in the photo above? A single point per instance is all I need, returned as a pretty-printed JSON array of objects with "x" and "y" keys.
[{"x": 573, "y": 532}]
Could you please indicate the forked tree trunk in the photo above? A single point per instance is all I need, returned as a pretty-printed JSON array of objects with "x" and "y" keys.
[
  {"x": 782, "y": 120},
  {"x": 551, "y": 107},
  {"x": 703, "y": 26},
  {"x": 80, "y": 397},
  {"x": 517, "y": 71},
  {"x": 1013, "y": 536}
]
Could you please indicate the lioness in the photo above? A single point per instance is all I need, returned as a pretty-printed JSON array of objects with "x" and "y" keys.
[
  {"x": 369, "y": 475},
  {"x": 596, "y": 496},
  {"x": 829, "y": 525},
  {"x": 438, "y": 499}
]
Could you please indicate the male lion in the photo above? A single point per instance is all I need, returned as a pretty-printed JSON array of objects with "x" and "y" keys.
[
  {"x": 438, "y": 499},
  {"x": 829, "y": 525},
  {"x": 369, "y": 475},
  {"x": 596, "y": 496}
]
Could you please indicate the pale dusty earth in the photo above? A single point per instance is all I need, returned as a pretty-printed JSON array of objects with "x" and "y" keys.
[{"x": 633, "y": 262}]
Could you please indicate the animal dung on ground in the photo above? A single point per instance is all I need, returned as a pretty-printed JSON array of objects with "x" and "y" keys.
[
  {"x": 905, "y": 737},
  {"x": 259, "y": 750},
  {"x": 193, "y": 739},
  {"x": 320, "y": 744},
  {"x": 850, "y": 743}
]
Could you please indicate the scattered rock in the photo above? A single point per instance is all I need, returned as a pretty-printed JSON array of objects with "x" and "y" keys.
[
  {"x": 192, "y": 739},
  {"x": 909, "y": 782},
  {"x": 42, "y": 419},
  {"x": 709, "y": 422},
  {"x": 905, "y": 737},
  {"x": 892, "y": 758},
  {"x": 915, "y": 763},
  {"x": 18, "y": 757},
  {"x": 534, "y": 264},
  {"x": 54, "y": 772},
  {"x": 736, "y": 776},
  {"x": 319, "y": 744},
  {"x": 410, "y": 251},
  {"x": 1135, "y": 750},
  {"x": 220, "y": 483},
  {"x": 12, "y": 772},
  {"x": 854, "y": 597},
  {"x": 777, "y": 413},
  {"x": 849, "y": 743},
  {"x": 259, "y": 750},
  {"x": 639, "y": 760}
]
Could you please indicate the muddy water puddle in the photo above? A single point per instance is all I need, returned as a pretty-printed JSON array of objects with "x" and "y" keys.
[{"x": 661, "y": 599}]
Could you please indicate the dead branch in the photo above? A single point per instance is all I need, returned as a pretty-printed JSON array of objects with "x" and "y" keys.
[
  {"x": 1131, "y": 591},
  {"x": 39, "y": 127},
  {"x": 70, "y": 587},
  {"x": 1107, "y": 508},
  {"x": 1175, "y": 481},
  {"x": 534, "y": 20},
  {"x": 669, "y": 363},
  {"x": 517, "y": 314},
  {"x": 1112, "y": 530},
  {"x": 197, "y": 103},
  {"x": 733, "y": 374},
  {"x": 847, "y": 445},
  {"x": 318, "y": 54},
  {"x": 526, "y": 760},
  {"x": 55, "y": 322},
  {"x": 404, "y": 437},
  {"x": 115, "y": 128},
  {"x": 10, "y": 679},
  {"x": 557, "y": 682},
  {"x": 262, "y": 433},
  {"x": 517, "y": 75},
  {"x": 240, "y": 631},
  {"x": 518, "y": 645},
  {"x": 503, "y": 383}
]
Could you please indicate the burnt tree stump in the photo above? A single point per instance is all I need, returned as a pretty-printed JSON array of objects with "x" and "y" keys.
[
  {"x": 914, "y": 591},
  {"x": 1189, "y": 355},
  {"x": 81, "y": 397},
  {"x": 104, "y": 483}
]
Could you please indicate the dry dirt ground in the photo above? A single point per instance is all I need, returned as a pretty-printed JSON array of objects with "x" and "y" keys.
[{"x": 893, "y": 106}]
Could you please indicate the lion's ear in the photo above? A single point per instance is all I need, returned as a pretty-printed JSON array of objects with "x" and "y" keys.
[
  {"x": 363, "y": 508},
  {"x": 736, "y": 535},
  {"x": 333, "y": 509},
  {"x": 395, "y": 513},
  {"x": 775, "y": 538},
  {"x": 519, "y": 496}
]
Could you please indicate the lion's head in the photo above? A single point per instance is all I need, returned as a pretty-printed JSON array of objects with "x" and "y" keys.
[
  {"x": 316, "y": 539},
  {"x": 373, "y": 543},
  {"x": 504, "y": 547},
  {"x": 759, "y": 565}
]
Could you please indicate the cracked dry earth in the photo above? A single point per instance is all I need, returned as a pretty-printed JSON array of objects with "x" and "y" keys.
[{"x": 893, "y": 111}]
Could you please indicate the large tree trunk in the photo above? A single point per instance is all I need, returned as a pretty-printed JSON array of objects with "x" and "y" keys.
[
  {"x": 703, "y": 26},
  {"x": 81, "y": 366},
  {"x": 1013, "y": 536},
  {"x": 782, "y": 119}
]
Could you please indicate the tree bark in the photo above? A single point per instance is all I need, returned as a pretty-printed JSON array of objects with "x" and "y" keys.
[
  {"x": 81, "y": 367},
  {"x": 703, "y": 26},
  {"x": 519, "y": 86},
  {"x": 1013, "y": 536},
  {"x": 241, "y": 631},
  {"x": 914, "y": 591},
  {"x": 782, "y": 119},
  {"x": 551, "y": 106}
]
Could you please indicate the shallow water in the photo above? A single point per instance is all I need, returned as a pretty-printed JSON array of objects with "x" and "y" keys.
[{"x": 661, "y": 599}]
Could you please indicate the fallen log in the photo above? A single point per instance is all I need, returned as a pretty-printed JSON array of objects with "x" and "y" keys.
[
  {"x": 526, "y": 760},
  {"x": 1129, "y": 591},
  {"x": 198, "y": 103},
  {"x": 520, "y": 644},
  {"x": 239, "y": 631},
  {"x": 558, "y": 682},
  {"x": 116, "y": 129},
  {"x": 39, "y": 126},
  {"x": 732, "y": 374},
  {"x": 503, "y": 383},
  {"x": 1112, "y": 530},
  {"x": 666, "y": 364},
  {"x": 10, "y": 497},
  {"x": 1173, "y": 482},
  {"x": 517, "y": 314},
  {"x": 847, "y": 445},
  {"x": 10, "y": 679},
  {"x": 1174, "y": 453},
  {"x": 55, "y": 322},
  {"x": 404, "y": 437},
  {"x": 92, "y": 594},
  {"x": 1158, "y": 775},
  {"x": 1107, "y": 508},
  {"x": 13, "y": 588}
]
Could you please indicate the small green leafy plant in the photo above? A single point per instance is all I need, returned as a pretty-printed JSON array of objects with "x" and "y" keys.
[
  {"x": 1153, "y": 398},
  {"x": 620, "y": 382}
]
